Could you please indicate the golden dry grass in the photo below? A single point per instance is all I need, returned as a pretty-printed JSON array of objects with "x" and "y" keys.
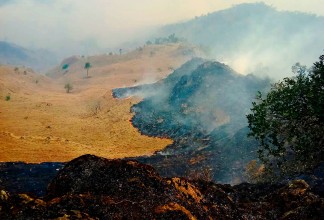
[{"x": 41, "y": 122}]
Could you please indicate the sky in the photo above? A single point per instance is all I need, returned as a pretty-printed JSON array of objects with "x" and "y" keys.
[{"x": 64, "y": 25}]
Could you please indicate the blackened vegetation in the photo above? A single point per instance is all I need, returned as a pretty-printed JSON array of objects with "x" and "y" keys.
[
  {"x": 91, "y": 187},
  {"x": 18, "y": 177},
  {"x": 202, "y": 107}
]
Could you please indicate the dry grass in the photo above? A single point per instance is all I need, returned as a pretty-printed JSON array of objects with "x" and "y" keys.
[{"x": 41, "y": 122}]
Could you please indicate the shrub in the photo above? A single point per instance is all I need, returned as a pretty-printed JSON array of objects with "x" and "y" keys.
[
  {"x": 95, "y": 108},
  {"x": 68, "y": 87},
  {"x": 289, "y": 122}
]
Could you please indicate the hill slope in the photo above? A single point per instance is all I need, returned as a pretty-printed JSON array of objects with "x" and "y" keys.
[
  {"x": 202, "y": 107},
  {"x": 41, "y": 122},
  {"x": 14, "y": 55},
  {"x": 255, "y": 37},
  {"x": 152, "y": 62}
]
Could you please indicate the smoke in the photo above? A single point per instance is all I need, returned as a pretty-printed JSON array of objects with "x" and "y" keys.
[
  {"x": 256, "y": 38},
  {"x": 202, "y": 107},
  {"x": 70, "y": 27}
]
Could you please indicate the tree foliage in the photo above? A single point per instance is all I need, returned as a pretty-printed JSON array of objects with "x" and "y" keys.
[
  {"x": 65, "y": 66},
  {"x": 289, "y": 121},
  {"x": 87, "y": 66}
]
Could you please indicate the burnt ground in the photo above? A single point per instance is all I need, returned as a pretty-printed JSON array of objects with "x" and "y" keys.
[
  {"x": 23, "y": 177},
  {"x": 201, "y": 106},
  {"x": 91, "y": 187}
]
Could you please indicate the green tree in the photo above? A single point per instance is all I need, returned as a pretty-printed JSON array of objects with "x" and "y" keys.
[
  {"x": 65, "y": 67},
  {"x": 87, "y": 66},
  {"x": 289, "y": 121},
  {"x": 8, "y": 98}
]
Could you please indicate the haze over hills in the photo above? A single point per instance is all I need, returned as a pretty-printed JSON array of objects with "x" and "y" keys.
[
  {"x": 14, "y": 55},
  {"x": 251, "y": 37},
  {"x": 255, "y": 37}
]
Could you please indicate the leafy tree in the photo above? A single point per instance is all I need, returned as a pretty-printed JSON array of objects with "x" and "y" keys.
[
  {"x": 289, "y": 121},
  {"x": 68, "y": 87},
  {"x": 87, "y": 66},
  {"x": 65, "y": 66}
]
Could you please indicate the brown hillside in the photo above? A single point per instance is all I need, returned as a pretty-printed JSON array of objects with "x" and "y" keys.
[{"x": 41, "y": 122}]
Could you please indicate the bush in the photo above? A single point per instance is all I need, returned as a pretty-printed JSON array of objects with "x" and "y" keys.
[
  {"x": 68, "y": 87},
  {"x": 8, "y": 98},
  {"x": 95, "y": 108},
  {"x": 289, "y": 122}
]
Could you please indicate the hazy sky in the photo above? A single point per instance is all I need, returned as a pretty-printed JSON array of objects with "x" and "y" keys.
[{"x": 63, "y": 24}]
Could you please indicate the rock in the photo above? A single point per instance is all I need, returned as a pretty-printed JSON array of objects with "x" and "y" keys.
[{"x": 3, "y": 195}]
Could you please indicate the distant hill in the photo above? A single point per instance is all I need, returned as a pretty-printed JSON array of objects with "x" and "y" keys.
[
  {"x": 202, "y": 107},
  {"x": 150, "y": 59},
  {"x": 14, "y": 55},
  {"x": 255, "y": 37},
  {"x": 20, "y": 81}
]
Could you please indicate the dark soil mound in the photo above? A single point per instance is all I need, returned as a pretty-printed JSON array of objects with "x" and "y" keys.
[{"x": 91, "y": 187}]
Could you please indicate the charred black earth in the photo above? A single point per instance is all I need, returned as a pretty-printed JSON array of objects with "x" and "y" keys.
[
  {"x": 202, "y": 107},
  {"x": 91, "y": 187},
  {"x": 18, "y": 177}
]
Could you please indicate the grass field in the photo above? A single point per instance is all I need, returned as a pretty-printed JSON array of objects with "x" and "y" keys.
[{"x": 41, "y": 122}]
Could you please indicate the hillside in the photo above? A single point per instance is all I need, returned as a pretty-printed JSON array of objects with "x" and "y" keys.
[
  {"x": 255, "y": 37},
  {"x": 41, "y": 122},
  {"x": 202, "y": 107},
  {"x": 149, "y": 61},
  {"x": 14, "y": 55}
]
